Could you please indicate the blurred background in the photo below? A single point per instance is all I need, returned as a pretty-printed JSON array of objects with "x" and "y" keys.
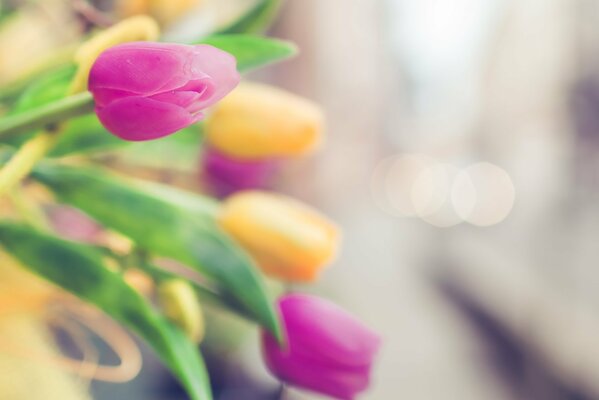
[{"x": 461, "y": 165}]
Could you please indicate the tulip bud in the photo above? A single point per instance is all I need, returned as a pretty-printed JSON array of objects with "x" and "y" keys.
[
  {"x": 226, "y": 175},
  {"x": 289, "y": 240},
  {"x": 181, "y": 305},
  {"x": 148, "y": 90},
  {"x": 327, "y": 350},
  {"x": 258, "y": 121}
]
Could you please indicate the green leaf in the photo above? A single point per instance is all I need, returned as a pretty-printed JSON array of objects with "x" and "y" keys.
[
  {"x": 52, "y": 86},
  {"x": 256, "y": 20},
  {"x": 79, "y": 269},
  {"x": 251, "y": 51},
  {"x": 165, "y": 224},
  {"x": 190, "y": 202}
]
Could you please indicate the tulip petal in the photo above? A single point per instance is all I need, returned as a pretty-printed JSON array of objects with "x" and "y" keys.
[
  {"x": 205, "y": 87},
  {"x": 307, "y": 319},
  {"x": 140, "y": 68},
  {"x": 182, "y": 99},
  {"x": 312, "y": 374},
  {"x": 103, "y": 96},
  {"x": 140, "y": 118},
  {"x": 218, "y": 65}
]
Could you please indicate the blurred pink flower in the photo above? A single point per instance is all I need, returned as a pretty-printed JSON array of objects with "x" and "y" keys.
[
  {"x": 226, "y": 174},
  {"x": 72, "y": 224},
  {"x": 327, "y": 351},
  {"x": 146, "y": 90}
]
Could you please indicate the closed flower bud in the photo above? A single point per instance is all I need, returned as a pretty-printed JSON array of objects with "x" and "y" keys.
[
  {"x": 226, "y": 175},
  {"x": 327, "y": 350},
  {"x": 146, "y": 90},
  {"x": 181, "y": 305},
  {"x": 258, "y": 121},
  {"x": 289, "y": 240}
]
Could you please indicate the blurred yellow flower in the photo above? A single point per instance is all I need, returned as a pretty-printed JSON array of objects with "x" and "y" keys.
[
  {"x": 182, "y": 306},
  {"x": 25, "y": 341},
  {"x": 289, "y": 240},
  {"x": 27, "y": 348},
  {"x": 164, "y": 11},
  {"x": 258, "y": 121}
]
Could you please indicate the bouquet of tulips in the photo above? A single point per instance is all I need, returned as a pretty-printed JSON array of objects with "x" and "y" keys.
[{"x": 148, "y": 254}]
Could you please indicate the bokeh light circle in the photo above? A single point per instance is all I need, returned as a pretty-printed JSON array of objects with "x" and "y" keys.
[{"x": 483, "y": 194}]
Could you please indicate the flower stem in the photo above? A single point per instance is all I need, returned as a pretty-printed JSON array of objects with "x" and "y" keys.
[
  {"x": 50, "y": 114},
  {"x": 25, "y": 158}
]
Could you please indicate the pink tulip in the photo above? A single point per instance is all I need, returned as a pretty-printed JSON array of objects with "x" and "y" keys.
[
  {"x": 146, "y": 90},
  {"x": 327, "y": 351}
]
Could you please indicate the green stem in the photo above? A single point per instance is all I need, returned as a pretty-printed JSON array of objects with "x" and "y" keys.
[{"x": 47, "y": 115}]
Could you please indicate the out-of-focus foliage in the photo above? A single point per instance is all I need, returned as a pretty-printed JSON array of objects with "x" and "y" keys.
[
  {"x": 162, "y": 226},
  {"x": 36, "y": 37},
  {"x": 79, "y": 269},
  {"x": 160, "y": 221},
  {"x": 256, "y": 20}
]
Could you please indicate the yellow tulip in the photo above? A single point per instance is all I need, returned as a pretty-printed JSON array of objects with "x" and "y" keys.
[
  {"x": 289, "y": 240},
  {"x": 259, "y": 121}
]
